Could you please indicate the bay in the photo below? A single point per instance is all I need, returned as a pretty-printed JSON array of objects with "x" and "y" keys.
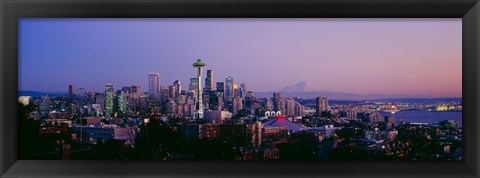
[{"x": 425, "y": 116}]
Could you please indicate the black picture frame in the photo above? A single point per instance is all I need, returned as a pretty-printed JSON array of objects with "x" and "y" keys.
[{"x": 10, "y": 11}]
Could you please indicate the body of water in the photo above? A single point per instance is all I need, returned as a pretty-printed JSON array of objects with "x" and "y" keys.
[{"x": 425, "y": 116}]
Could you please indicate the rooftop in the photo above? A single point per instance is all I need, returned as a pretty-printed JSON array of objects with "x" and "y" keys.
[{"x": 281, "y": 121}]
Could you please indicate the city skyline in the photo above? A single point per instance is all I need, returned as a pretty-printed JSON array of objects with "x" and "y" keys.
[{"x": 90, "y": 53}]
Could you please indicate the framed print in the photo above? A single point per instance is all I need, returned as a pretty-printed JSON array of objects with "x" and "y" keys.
[{"x": 239, "y": 88}]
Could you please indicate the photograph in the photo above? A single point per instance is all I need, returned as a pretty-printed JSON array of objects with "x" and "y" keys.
[{"x": 320, "y": 89}]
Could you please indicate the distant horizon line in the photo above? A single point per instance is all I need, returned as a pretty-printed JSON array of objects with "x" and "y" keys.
[{"x": 387, "y": 96}]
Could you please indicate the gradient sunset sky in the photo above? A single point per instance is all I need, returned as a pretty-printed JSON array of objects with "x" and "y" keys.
[{"x": 362, "y": 56}]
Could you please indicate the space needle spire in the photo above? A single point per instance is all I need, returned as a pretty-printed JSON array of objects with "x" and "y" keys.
[{"x": 198, "y": 103}]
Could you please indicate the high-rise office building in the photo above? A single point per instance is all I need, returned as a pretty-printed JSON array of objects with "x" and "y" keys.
[
  {"x": 193, "y": 84},
  {"x": 229, "y": 90},
  {"x": 279, "y": 102},
  {"x": 236, "y": 90},
  {"x": 71, "y": 91},
  {"x": 178, "y": 88},
  {"x": 122, "y": 102},
  {"x": 290, "y": 107},
  {"x": 283, "y": 106},
  {"x": 209, "y": 82},
  {"x": 220, "y": 89},
  {"x": 154, "y": 84},
  {"x": 199, "y": 104},
  {"x": 164, "y": 92},
  {"x": 127, "y": 91},
  {"x": 269, "y": 104},
  {"x": 81, "y": 92},
  {"x": 243, "y": 88},
  {"x": 220, "y": 103},
  {"x": 249, "y": 94},
  {"x": 277, "y": 95},
  {"x": 100, "y": 100},
  {"x": 249, "y": 99},
  {"x": 321, "y": 105},
  {"x": 237, "y": 104},
  {"x": 206, "y": 101},
  {"x": 172, "y": 91},
  {"x": 221, "y": 86},
  {"x": 299, "y": 109},
  {"x": 136, "y": 91},
  {"x": 109, "y": 95}
]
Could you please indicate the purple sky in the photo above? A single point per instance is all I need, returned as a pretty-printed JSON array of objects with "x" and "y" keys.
[{"x": 363, "y": 56}]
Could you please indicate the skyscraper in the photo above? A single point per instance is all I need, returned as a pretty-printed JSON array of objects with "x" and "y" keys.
[
  {"x": 153, "y": 84},
  {"x": 127, "y": 91},
  {"x": 172, "y": 91},
  {"x": 243, "y": 86},
  {"x": 220, "y": 90},
  {"x": 269, "y": 104},
  {"x": 229, "y": 89},
  {"x": 122, "y": 102},
  {"x": 321, "y": 105},
  {"x": 237, "y": 104},
  {"x": 193, "y": 84},
  {"x": 199, "y": 105},
  {"x": 109, "y": 92},
  {"x": 290, "y": 107},
  {"x": 279, "y": 102},
  {"x": 178, "y": 87},
  {"x": 164, "y": 92},
  {"x": 249, "y": 99},
  {"x": 236, "y": 90},
  {"x": 209, "y": 82},
  {"x": 136, "y": 91},
  {"x": 71, "y": 91},
  {"x": 81, "y": 92},
  {"x": 299, "y": 109},
  {"x": 277, "y": 95}
]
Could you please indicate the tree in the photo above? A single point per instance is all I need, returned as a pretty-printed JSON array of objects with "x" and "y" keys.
[
  {"x": 28, "y": 136},
  {"x": 157, "y": 141},
  {"x": 301, "y": 146}
]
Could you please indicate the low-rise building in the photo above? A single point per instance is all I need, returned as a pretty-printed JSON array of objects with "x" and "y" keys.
[
  {"x": 217, "y": 117},
  {"x": 94, "y": 134}
]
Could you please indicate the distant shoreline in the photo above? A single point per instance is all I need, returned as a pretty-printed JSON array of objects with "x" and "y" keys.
[{"x": 263, "y": 95}]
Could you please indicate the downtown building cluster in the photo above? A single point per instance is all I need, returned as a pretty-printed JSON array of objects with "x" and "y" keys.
[{"x": 224, "y": 120}]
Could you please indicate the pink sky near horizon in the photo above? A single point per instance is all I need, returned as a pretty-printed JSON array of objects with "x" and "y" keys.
[{"x": 362, "y": 56}]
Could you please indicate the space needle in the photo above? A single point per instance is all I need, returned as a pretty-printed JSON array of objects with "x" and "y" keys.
[{"x": 199, "y": 104}]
